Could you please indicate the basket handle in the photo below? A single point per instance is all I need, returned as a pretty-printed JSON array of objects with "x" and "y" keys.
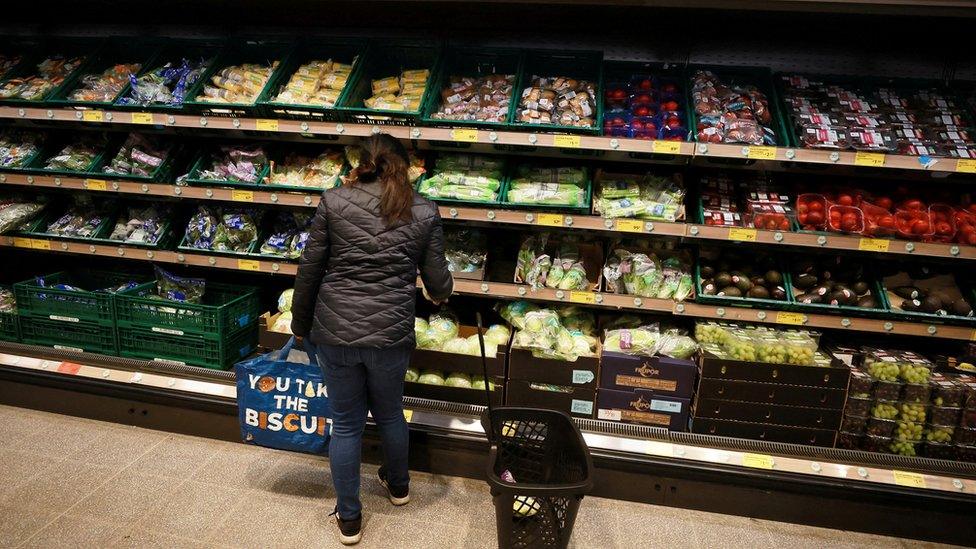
[{"x": 484, "y": 372}]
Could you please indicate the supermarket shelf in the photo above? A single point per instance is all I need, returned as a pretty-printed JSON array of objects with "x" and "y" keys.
[
  {"x": 592, "y": 299},
  {"x": 490, "y": 215},
  {"x": 487, "y": 137}
]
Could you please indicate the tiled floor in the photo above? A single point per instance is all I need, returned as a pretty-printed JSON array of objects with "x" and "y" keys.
[{"x": 69, "y": 482}]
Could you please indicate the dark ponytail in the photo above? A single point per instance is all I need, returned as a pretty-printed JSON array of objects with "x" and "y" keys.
[{"x": 385, "y": 159}]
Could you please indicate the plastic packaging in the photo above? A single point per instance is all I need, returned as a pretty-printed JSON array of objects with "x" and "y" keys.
[
  {"x": 297, "y": 170},
  {"x": 947, "y": 392},
  {"x": 912, "y": 412},
  {"x": 143, "y": 225},
  {"x": 237, "y": 83},
  {"x": 881, "y": 427},
  {"x": 480, "y": 98},
  {"x": 165, "y": 85},
  {"x": 861, "y": 384},
  {"x": 317, "y": 83},
  {"x": 139, "y": 155},
  {"x": 881, "y": 409},
  {"x": 965, "y": 436},
  {"x": 945, "y": 415},
  {"x": 850, "y": 441},
  {"x": 15, "y": 212},
  {"x": 243, "y": 164},
  {"x": 887, "y": 390},
  {"x": 845, "y": 219},
  {"x": 916, "y": 392},
  {"x": 939, "y": 433},
  {"x": 880, "y": 445},
  {"x": 51, "y": 73},
  {"x": 104, "y": 87},
  {"x": 812, "y": 211},
  {"x": 938, "y": 450},
  {"x": 18, "y": 147},
  {"x": 558, "y": 100},
  {"x": 853, "y": 424},
  {"x": 177, "y": 288},
  {"x": 288, "y": 236}
]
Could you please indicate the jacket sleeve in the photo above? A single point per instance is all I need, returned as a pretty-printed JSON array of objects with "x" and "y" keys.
[
  {"x": 311, "y": 269},
  {"x": 437, "y": 279}
]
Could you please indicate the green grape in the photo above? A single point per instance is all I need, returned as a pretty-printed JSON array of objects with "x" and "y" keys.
[
  {"x": 903, "y": 448},
  {"x": 912, "y": 412},
  {"x": 884, "y": 411},
  {"x": 939, "y": 434},
  {"x": 907, "y": 430}
]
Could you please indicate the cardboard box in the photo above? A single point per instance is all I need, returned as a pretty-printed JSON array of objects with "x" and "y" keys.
[
  {"x": 425, "y": 359},
  {"x": 454, "y": 394},
  {"x": 773, "y": 414},
  {"x": 660, "y": 375},
  {"x": 759, "y": 431},
  {"x": 643, "y": 407},
  {"x": 581, "y": 373},
  {"x": 266, "y": 338},
  {"x": 772, "y": 393},
  {"x": 834, "y": 376},
  {"x": 575, "y": 401}
]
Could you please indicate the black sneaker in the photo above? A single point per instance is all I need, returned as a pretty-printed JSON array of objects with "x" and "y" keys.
[
  {"x": 398, "y": 495},
  {"x": 350, "y": 531}
]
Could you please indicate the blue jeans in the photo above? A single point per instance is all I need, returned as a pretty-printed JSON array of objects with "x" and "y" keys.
[{"x": 359, "y": 379}]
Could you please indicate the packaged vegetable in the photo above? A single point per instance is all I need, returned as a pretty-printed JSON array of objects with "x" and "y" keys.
[
  {"x": 497, "y": 334},
  {"x": 243, "y": 164},
  {"x": 464, "y": 177},
  {"x": 412, "y": 375},
  {"x": 237, "y": 83},
  {"x": 17, "y": 148},
  {"x": 514, "y": 312},
  {"x": 398, "y": 94},
  {"x": 284, "y": 300},
  {"x": 559, "y": 101},
  {"x": 431, "y": 377},
  {"x": 165, "y": 85},
  {"x": 317, "y": 82},
  {"x": 140, "y": 155},
  {"x": 637, "y": 341},
  {"x": 51, "y": 73},
  {"x": 320, "y": 172},
  {"x": 16, "y": 212},
  {"x": 105, "y": 86},
  {"x": 476, "y": 98},
  {"x": 143, "y": 225},
  {"x": 77, "y": 156},
  {"x": 442, "y": 326},
  {"x": 288, "y": 236},
  {"x": 464, "y": 249},
  {"x": 178, "y": 288},
  {"x": 82, "y": 219},
  {"x": 282, "y": 323}
]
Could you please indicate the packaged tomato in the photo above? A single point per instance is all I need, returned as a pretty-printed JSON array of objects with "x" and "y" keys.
[
  {"x": 863, "y": 120},
  {"x": 616, "y": 96},
  {"x": 643, "y": 127},
  {"x": 770, "y": 216},
  {"x": 914, "y": 224},
  {"x": 871, "y": 139},
  {"x": 949, "y": 119},
  {"x": 726, "y": 203},
  {"x": 811, "y": 211},
  {"x": 942, "y": 218},
  {"x": 719, "y": 218},
  {"x": 845, "y": 219},
  {"x": 965, "y": 227},
  {"x": 878, "y": 221},
  {"x": 968, "y": 151},
  {"x": 825, "y": 137}
]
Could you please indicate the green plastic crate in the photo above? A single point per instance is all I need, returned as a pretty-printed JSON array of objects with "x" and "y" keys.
[
  {"x": 87, "y": 336},
  {"x": 785, "y": 304},
  {"x": 202, "y": 161},
  {"x": 472, "y": 62},
  {"x": 54, "y": 146},
  {"x": 194, "y": 350},
  {"x": 33, "y": 56},
  {"x": 263, "y": 52},
  {"x": 759, "y": 77},
  {"x": 582, "y": 65},
  {"x": 581, "y": 209},
  {"x": 968, "y": 293},
  {"x": 163, "y": 172},
  {"x": 432, "y": 170},
  {"x": 277, "y": 154},
  {"x": 385, "y": 59},
  {"x": 251, "y": 250},
  {"x": 167, "y": 237},
  {"x": 345, "y": 51},
  {"x": 119, "y": 51},
  {"x": 17, "y": 46},
  {"x": 622, "y": 72},
  {"x": 49, "y": 215},
  {"x": 9, "y": 326},
  {"x": 69, "y": 306},
  {"x": 31, "y": 158},
  {"x": 174, "y": 51},
  {"x": 226, "y": 309}
]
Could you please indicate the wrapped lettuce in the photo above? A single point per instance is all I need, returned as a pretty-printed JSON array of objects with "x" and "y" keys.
[
  {"x": 141, "y": 225},
  {"x": 284, "y": 300},
  {"x": 431, "y": 377},
  {"x": 633, "y": 341},
  {"x": 458, "y": 379},
  {"x": 514, "y": 312},
  {"x": 441, "y": 327},
  {"x": 465, "y": 249},
  {"x": 577, "y": 319},
  {"x": 497, "y": 335},
  {"x": 465, "y": 177},
  {"x": 16, "y": 212},
  {"x": 289, "y": 235},
  {"x": 178, "y": 288},
  {"x": 547, "y": 194},
  {"x": 677, "y": 345},
  {"x": 240, "y": 164},
  {"x": 412, "y": 375},
  {"x": 647, "y": 197}
]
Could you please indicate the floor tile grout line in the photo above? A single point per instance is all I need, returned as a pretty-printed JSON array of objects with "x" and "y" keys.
[{"x": 90, "y": 492}]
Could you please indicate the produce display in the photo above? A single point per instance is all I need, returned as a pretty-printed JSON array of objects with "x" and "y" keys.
[
  {"x": 166, "y": 85},
  {"x": 558, "y": 100},
  {"x": 649, "y": 341},
  {"x": 51, "y": 73},
  {"x": 467, "y": 177},
  {"x": 83, "y": 219},
  {"x": 476, "y": 98},
  {"x": 104, "y": 87},
  {"x": 733, "y": 200},
  {"x": 18, "y": 148},
  {"x": 728, "y": 274},
  {"x": 738, "y": 113},
  {"x": 760, "y": 344},
  {"x": 440, "y": 333},
  {"x": 545, "y": 262},
  {"x": 237, "y": 83},
  {"x": 8, "y": 302},
  {"x": 547, "y": 185},
  {"x": 830, "y": 113},
  {"x": 288, "y": 235},
  {"x": 836, "y": 280},
  {"x": 647, "y": 196},
  {"x": 77, "y": 156},
  {"x": 399, "y": 93},
  {"x": 238, "y": 164},
  {"x": 465, "y": 249},
  {"x": 7, "y": 62},
  {"x": 223, "y": 229},
  {"x": 178, "y": 288},
  {"x": 925, "y": 289},
  {"x": 141, "y": 224},
  {"x": 417, "y": 163},
  {"x": 649, "y": 271},
  {"x": 562, "y": 334},
  {"x": 645, "y": 107},
  {"x": 317, "y": 82},
  {"x": 140, "y": 155},
  {"x": 298, "y": 170},
  {"x": 17, "y": 211}
]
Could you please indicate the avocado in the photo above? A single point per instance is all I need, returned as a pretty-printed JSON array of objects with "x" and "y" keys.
[
  {"x": 778, "y": 293},
  {"x": 707, "y": 271},
  {"x": 805, "y": 281},
  {"x": 773, "y": 278},
  {"x": 759, "y": 292},
  {"x": 909, "y": 292},
  {"x": 821, "y": 290},
  {"x": 961, "y": 307},
  {"x": 860, "y": 287},
  {"x": 867, "y": 302},
  {"x": 743, "y": 284},
  {"x": 757, "y": 281},
  {"x": 911, "y": 305},
  {"x": 708, "y": 289},
  {"x": 806, "y": 267},
  {"x": 930, "y": 304},
  {"x": 723, "y": 265},
  {"x": 723, "y": 280},
  {"x": 842, "y": 297},
  {"x": 810, "y": 298},
  {"x": 731, "y": 291}
]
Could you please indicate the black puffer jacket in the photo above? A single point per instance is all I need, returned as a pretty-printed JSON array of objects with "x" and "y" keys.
[{"x": 357, "y": 279}]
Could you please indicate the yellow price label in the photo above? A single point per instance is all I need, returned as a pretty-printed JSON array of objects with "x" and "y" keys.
[
  {"x": 759, "y": 461},
  {"x": 869, "y": 159},
  {"x": 966, "y": 165},
  {"x": 93, "y": 116},
  {"x": 242, "y": 196},
  {"x": 568, "y": 141},
  {"x": 408, "y": 415},
  {"x": 22, "y": 242},
  {"x": 873, "y": 245},
  {"x": 467, "y": 136},
  {"x": 583, "y": 297},
  {"x": 551, "y": 220},
  {"x": 743, "y": 235},
  {"x": 762, "y": 153},
  {"x": 905, "y": 478},
  {"x": 972, "y": 336},
  {"x": 142, "y": 118},
  {"x": 41, "y": 244},
  {"x": 666, "y": 147},
  {"x": 630, "y": 225},
  {"x": 783, "y": 317},
  {"x": 248, "y": 265},
  {"x": 265, "y": 125},
  {"x": 96, "y": 184}
]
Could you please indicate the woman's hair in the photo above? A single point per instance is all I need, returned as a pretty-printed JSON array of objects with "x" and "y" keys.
[{"x": 385, "y": 159}]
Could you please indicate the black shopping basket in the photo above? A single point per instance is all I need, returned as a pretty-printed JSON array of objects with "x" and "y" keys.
[{"x": 539, "y": 468}]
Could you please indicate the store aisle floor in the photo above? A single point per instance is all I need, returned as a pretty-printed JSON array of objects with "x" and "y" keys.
[{"x": 69, "y": 482}]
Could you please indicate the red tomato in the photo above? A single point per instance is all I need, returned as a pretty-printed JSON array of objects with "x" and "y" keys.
[
  {"x": 943, "y": 228},
  {"x": 920, "y": 226},
  {"x": 972, "y": 207},
  {"x": 771, "y": 224},
  {"x": 646, "y": 84},
  {"x": 673, "y": 122},
  {"x": 802, "y": 208},
  {"x": 883, "y": 202},
  {"x": 642, "y": 98},
  {"x": 784, "y": 224},
  {"x": 669, "y": 88},
  {"x": 815, "y": 218},
  {"x": 886, "y": 221},
  {"x": 816, "y": 206},
  {"x": 845, "y": 200},
  {"x": 912, "y": 204},
  {"x": 642, "y": 111},
  {"x": 671, "y": 105}
]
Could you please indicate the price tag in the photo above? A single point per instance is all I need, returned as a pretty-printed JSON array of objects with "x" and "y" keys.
[
  {"x": 744, "y": 235},
  {"x": 905, "y": 478},
  {"x": 966, "y": 165},
  {"x": 248, "y": 265},
  {"x": 408, "y": 415},
  {"x": 666, "y": 147},
  {"x": 468, "y": 136},
  {"x": 783, "y": 317},
  {"x": 550, "y": 220},
  {"x": 630, "y": 225},
  {"x": 96, "y": 184},
  {"x": 568, "y": 141},
  {"x": 242, "y": 196},
  {"x": 762, "y": 153},
  {"x": 759, "y": 461},
  {"x": 265, "y": 125},
  {"x": 69, "y": 368},
  {"x": 873, "y": 245},
  {"x": 972, "y": 336},
  {"x": 40, "y": 244},
  {"x": 93, "y": 116},
  {"x": 582, "y": 297},
  {"x": 142, "y": 118},
  {"x": 869, "y": 159},
  {"x": 22, "y": 242}
]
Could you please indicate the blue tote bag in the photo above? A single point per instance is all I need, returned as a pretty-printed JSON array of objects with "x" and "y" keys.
[{"x": 283, "y": 404}]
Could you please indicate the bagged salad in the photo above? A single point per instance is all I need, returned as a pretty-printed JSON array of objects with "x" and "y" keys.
[
  {"x": 82, "y": 219},
  {"x": 465, "y": 177},
  {"x": 464, "y": 249},
  {"x": 15, "y": 212},
  {"x": 319, "y": 172},
  {"x": 288, "y": 236},
  {"x": 77, "y": 156},
  {"x": 178, "y": 288},
  {"x": 140, "y": 155},
  {"x": 641, "y": 271},
  {"x": 243, "y": 163},
  {"x": 642, "y": 196},
  {"x": 546, "y": 185},
  {"x": 165, "y": 85},
  {"x": 223, "y": 229},
  {"x": 142, "y": 225},
  {"x": 8, "y": 302},
  {"x": 18, "y": 147},
  {"x": 542, "y": 263}
]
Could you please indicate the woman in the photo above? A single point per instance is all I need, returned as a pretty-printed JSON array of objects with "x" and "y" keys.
[{"x": 355, "y": 295}]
